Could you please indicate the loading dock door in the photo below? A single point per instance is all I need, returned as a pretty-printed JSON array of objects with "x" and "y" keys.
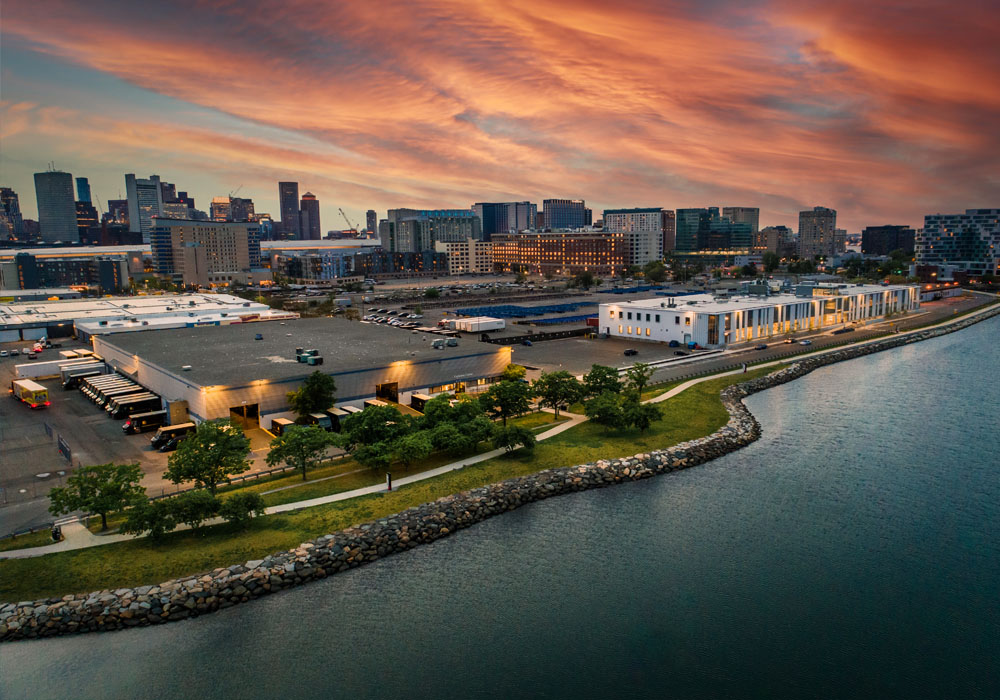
[
  {"x": 388, "y": 391},
  {"x": 245, "y": 416}
]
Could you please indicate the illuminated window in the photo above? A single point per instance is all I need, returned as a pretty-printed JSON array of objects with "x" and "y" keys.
[
  {"x": 619, "y": 329},
  {"x": 687, "y": 321},
  {"x": 647, "y": 332},
  {"x": 630, "y": 330}
]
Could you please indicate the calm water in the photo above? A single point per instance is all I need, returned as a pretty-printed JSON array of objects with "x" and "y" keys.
[{"x": 853, "y": 552}]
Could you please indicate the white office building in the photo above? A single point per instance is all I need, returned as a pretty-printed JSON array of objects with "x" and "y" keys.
[
  {"x": 643, "y": 229},
  {"x": 715, "y": 322},
  {"x": 145, "y": 201}
]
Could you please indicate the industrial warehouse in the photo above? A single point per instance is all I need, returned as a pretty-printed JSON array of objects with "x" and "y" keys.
[
  {"x": 244, "y": 371},
  {"x": 717, "y": 321}
]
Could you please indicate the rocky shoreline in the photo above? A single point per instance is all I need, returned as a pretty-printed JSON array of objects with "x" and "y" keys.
[{"x": 192, "y": 596}]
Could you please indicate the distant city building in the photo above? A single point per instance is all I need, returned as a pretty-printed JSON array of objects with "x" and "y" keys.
[
  {"x": 345, "y": 265},
  {"x": 371, "y": 221},
  {"x": 145, "y": 201},
  {"x": 969, "y": 242},
  {"x": 882, "y": 240},
  {"x": 560, "y": 252},
  {"x": 504, "y": 217},
  {"x": 288, "y": 203},
  {"x": 705, "y": 230},
  {"x": 206, "y": 253},
  {"x": 776, "y": 239},
  {"x": 107, "y": 274},
  {"x": 117, "y": 211},
  {"x": 689, "y": 222},
  {"x": 56, "y": 207},
  {"x": 669, "y": 231},
  {"x": 416, "y": 230},
  {"x": 540, "y": 220},
  {"x": 220, "y": 209},
  {"x": 168, "y": 192},
  {"x": 643, "y": 229},
  {"x": 564, "y": 213},
  {"x": 744, "y": 215},
  {"x": 817, "y": 233},
  {"x": 11, "y": 221},
  {"x": 467, "y": 257},
  {"x": 241, "y": 209},
  {"x": 309, "y": 223},
  {"x": 83, "y": 190},
  {"x": 88, "y": 223},
  {"x": 180, "y": 210}
]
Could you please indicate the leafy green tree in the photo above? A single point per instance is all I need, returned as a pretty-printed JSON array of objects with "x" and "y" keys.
[
  {"x": 513, "y": 373},
  {"x": 316, "y": 394},
  {"x": 240, "y": 508},
  {"x": 301, "y": 447},
  {"x": 101, "y": 489},
  {"x": 156, "y": 518},
  {"x": 194, "y": 507},
  {"x": 506, "y": 399},
  {"x": 605, "y": 409},
  {"x": 432, "y": 293},
  {"x": 637, "y": 377},
  {"x": 601, "y": 379},
  {"x": 412, "y": 447},
  {"x": 655, "y": 271},
  {"x": 376, "y": 456},
  {"x": 639, "y": 415},
  {"x": 771, "y": 261},
  {"x": 215, "y": 451},
  {"x": 375, "y": 424},
  {"x": 748, "y": 270},
  {"x": 521, "y": 278},
  {"x": 557, "y": 389},
  {"x": 513, "y": 437},
  {"x": 584, "y": 280}
]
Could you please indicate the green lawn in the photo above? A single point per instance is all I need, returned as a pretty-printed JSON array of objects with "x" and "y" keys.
[
  {"x": 34, "y": 539},
  {"x": 693, "y": 413}
]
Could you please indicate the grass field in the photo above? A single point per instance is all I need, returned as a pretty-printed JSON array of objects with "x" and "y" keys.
[
  {"x": 691, "y": 414},
  {"x": 34, "y": 539}
]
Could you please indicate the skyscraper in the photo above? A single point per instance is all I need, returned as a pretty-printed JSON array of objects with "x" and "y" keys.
[
  {"x": 10, "y": 208},
  {"x": 83, "y": 190},
  {"x": 310, "y": 227},
  {"x": 969, "y": 241},
  {"x": 744, "y": 215},
  {"x": 145, "y": 200},
  {"x": 220, "y": 209},
  {"x": 643, "y": 232},
  {"x": 241, "y": 209},
  {"x": 502, "y": 217},
  {"x": 564, "y": 213},
  {"x": 817, "y": 232},
  {"x": 56, "y": 206},
  {"x": 689, "y": 222},
  {"x": 371, "y": 220},
  {"x": 882, "y": 240},
  {"x": 669, "y": 231},
  {"x": 288, "y": 203},
  {"x": 416, "y": 231}
]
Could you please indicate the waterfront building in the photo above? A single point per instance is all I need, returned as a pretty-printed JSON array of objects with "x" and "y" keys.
[
  {"x": 467, "y": 257},
  {"x": 56, "y": 207},
  {"x": 968, "y": 242},
  {"x": 715, "y": 322},
  {"x": 564, "y": 213},
  {"x": 206, "y": 253},
  {"x": 817, "y": 233},
  {"x": 288, "y": 203},
  {"x": 560, "y": 252},
  {"x": 145, "y": 201},
  {"x": 743, "y": 215},
  {"x": 643, "y": 229},
  {"x": 882, "y": 240},
  {"x": 309, "y": 209}
]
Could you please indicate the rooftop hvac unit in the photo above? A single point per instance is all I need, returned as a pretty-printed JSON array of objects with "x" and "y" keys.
[
  {"x": 314, "y": 360},
  {"x": 191, "y": 302},
  {"x": 145, "y": 323},
  {"x": 246, "y": 303},
  {"x": 186, "y": 368},
  {"x": 170, "y": 308},
  {"x": 258, "y": 337}
]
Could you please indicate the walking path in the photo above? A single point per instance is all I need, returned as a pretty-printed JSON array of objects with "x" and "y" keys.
[{"x": 77, "y": 536}]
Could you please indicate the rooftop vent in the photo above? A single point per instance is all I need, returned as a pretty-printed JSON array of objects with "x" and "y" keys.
[
  {"x": 258, "y": 337},
  {"x": 246, "y": 303},
  {"x": 186, "y": 368}
]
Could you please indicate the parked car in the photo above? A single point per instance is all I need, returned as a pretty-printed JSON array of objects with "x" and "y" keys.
[
  {"x": 526, "y": 343},
  {"x": 680, "y": 352},
  {"x": 14, "y": 352},
  {"x": 630, "y": 352},
  {"x": 805, "y": 342},
  {"x": 4, "y": 353},
  {"x": 673, "y": 344},
  {"x": 762, "y": 346},
  {"x": 789, "y": 341}
]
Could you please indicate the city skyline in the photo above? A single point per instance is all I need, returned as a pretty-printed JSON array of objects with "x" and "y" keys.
[{"x": 879, "y": 112}]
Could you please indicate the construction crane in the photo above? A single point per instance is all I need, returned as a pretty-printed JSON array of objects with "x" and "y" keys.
[
  {"x": 236, "y": 191},
  {"x": 349, "y": 224}
]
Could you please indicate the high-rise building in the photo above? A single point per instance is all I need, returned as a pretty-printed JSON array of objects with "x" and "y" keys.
[
  {"x": 969, "y": 242},
  {"x": 168, "y": 192},
  {"x": 10, "y": 212},
  {"x": 882, "y": 240},
  {"x": 775, "y": 239},
  {"x": 467, "y": 257},
  {"x": 56, "y": 206},
  {"x": 560, "y": 252},
  {"x": 117, "y": 211},
  {"x": 744, "y": 215},
  {"x": 145, "y": 200},
  {"x": 504, "y": 217},
  {"x": 689, "y": 222},
  {"x": 643, "y": 232},
  {"x": 220, "y": 210},
  {"x": 310, "y": 226},
  {"x": 241, "y": 209},
  {"x": 416, "y": 230},
  {"x": 371, "y": 221},
  {"x": 288, "y": 202},
  {"x": 86, "y": 219},
  {"x": 564, "y": 213},
  {"x": 817, "y": 233},
  {"x": 205, "y": 253},
  {"x": 669, "y": 231},
  {"x": 83, "y": 190}
]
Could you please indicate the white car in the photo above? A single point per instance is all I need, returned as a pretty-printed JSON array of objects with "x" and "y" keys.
[{"x": 4, "y": 353}]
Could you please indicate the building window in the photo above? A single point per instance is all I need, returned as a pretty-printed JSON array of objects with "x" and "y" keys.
[
  {"x": 647, "y": 332},
  {"x": 647, "y": 318},
  {"x": 657, "y": 318},
  {"x": 687, "y": 320},
  {"x": 629, "y": 315},
  {"x": 677, "y": 320},
  {"x": 630, "y": 330},
  {"x": 619, "y": 329},
  {"x": 611, "y": 314}
]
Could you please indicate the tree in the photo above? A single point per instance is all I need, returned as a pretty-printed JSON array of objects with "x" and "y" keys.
[
  {"x": 513, "y": 437},
  {"x": 655, "y": 271},
  {"x": 351, "y": 315},
  {"x": 376, "y": 456},
  {"x": 748, "y": 270},
  {"x": 216, "y": 450},
  {"x": 194, "y": 507},
  {"x": 432, "y": 293},
  {"x": 373, "y": 425},
  {"x": 771, "y": 261},
  {"x": 240, "y": 508},
  {"x": 521, "y": 278},
  {"x": 637, "y": 377},
  {"x": 101, "y": 489},
  {"x": 412, "y": 447},
  {"x": 513, "y": 373},
  {"x": 461, "y": 439},
  {"x": 639, "y": 415},
  {"x": 316, "y": 394},
  {"x": 557, "y": 389},
  {"x": 153, "y": 517},
  {"x": 601, "y": 379},
  {"x": 605, "y": 409},
  {"x": 301, "y": 447},
  {"x": 506, "y": 399},
  {"x": 584, "y": 280}
]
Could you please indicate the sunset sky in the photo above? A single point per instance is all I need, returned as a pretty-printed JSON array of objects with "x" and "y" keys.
[{"x": 884, "y": 110}]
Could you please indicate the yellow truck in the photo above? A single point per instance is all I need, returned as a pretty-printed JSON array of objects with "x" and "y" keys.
[{"x": 31, "y": 393}]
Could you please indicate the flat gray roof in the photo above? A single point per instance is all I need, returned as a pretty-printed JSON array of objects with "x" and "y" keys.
[{"x": 225, "y": 355}]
